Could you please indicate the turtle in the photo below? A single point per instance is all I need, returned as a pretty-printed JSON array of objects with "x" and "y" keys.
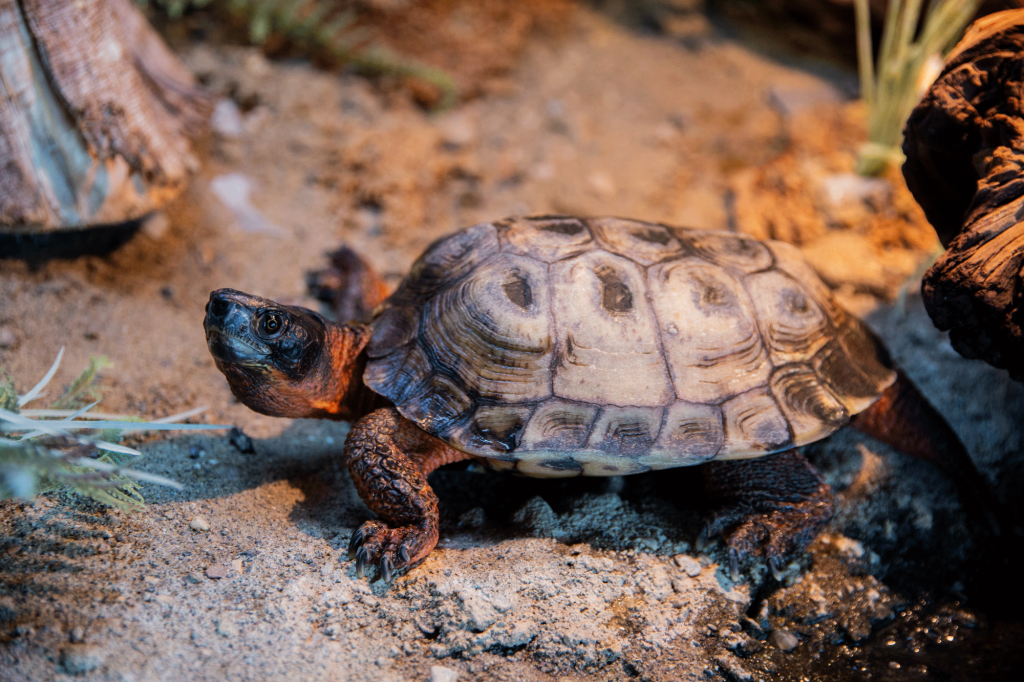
[{"x": 556, "y": 346}]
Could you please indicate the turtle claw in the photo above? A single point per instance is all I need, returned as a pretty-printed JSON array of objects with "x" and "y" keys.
[
  {"x": 773, "y": 566},
  {"x": 389, "y": 549},
  {"x": 734, "y": 564},
  {"x": 362, "y": 558}
]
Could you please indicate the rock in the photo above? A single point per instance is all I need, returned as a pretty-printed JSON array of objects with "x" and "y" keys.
[
  {"x": 79, "y": 659},
  {"x": 217, "y": 571},
  {"x": 77, "y": 635},
  {"x": 537, "y": 517},
  {"x": 233, "y": 190},
  {"x": 440, "y": 674},
  {"x": 194, "y": 578},
  {"x": 474, "y": 519},
  {"x": 7, "y": 338},
  {"x": 848, "y": 199},
  {"x": 688, "y": 564},
  {"x": 226, "y": 120},
  {"x": 783, "y": 639},
  {"x": 240, "y": 441},
  {"x": 200, "y": 524}
]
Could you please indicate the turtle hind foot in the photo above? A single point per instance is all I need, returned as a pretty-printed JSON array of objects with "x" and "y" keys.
[
  {"x": 771, "y": 507},
  {"x": 391, "y": 550}
]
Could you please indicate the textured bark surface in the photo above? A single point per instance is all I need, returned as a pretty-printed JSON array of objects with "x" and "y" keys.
[
  {"x": 93, "y": 115},
  {"x": 965, "y": 156}
]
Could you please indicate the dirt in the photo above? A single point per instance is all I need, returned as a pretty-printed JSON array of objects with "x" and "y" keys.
[{"x": 533, "y": 580}]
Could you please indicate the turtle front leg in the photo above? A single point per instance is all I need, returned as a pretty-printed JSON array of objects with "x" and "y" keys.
[
  {"x": 389, "y": 459},
  {"x": 769, "y": 506}
]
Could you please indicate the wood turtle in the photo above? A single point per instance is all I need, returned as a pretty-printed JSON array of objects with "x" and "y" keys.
[{"x": 561, "y": 346}]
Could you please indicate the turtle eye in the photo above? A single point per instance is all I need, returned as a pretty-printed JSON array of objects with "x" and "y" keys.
[{"x": 270, "y": 324}]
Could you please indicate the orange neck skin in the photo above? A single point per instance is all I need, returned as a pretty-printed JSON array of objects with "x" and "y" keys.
[{"x": 336, "y": 390}]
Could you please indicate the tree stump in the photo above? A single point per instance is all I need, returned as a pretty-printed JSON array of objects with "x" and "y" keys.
[
  {"x": 94, "y": 111},
  {"x": 964, "y": 145}
]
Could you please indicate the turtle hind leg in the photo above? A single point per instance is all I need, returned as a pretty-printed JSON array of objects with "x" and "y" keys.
[
  {"x": 903, "y": 419},
  {"x": 770, "y": 506},
  {"x": 348, "y": 285},
  {"x": 389, "y": 460}
]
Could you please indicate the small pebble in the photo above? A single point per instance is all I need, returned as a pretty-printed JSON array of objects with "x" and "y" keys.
[
  {"x": 783, "y": 639},
  {"x": 196, "y": 452},
  {"x": 441, "y": 674},
  {"x": 217, "y": 571},
  {"x": 194, "y": 578},
  {"x": 77, "y": 634},
  {"x": 240, "y": 441},
  {"x": 7, "y": 338},
  {"x": 198, "y": 523},
  {"x": 688, "y": 564}
]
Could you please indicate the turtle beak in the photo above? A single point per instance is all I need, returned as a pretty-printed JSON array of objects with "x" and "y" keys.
[{"x": 228, "y": 326}]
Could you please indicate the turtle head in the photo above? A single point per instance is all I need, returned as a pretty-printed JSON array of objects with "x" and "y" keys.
[{"x": 280, "y": 360}]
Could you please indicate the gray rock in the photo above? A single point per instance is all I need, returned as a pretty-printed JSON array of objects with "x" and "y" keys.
[
  {"x": 79, "y": 659},
  {"x": 783, "y": 639},
  {"x": 537, "y": 517}
]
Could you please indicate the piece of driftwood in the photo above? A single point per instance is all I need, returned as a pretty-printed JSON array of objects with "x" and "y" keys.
[
  {"x": 94, "y": 115},
  {"x": 964, "y": 145}
]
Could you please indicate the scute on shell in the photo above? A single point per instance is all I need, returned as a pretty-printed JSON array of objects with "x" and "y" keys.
[{"x": 561, "y": 346}]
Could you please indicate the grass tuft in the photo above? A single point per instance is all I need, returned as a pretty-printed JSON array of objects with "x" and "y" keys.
[
  {"x": 49, "y": 449},
  {"x": 909, "y": 59}
]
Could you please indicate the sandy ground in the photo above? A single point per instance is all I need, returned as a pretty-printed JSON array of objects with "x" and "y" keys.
[{"x": 533, "y": 580}]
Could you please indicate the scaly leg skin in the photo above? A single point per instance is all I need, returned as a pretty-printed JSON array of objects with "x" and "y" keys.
[
  {"x": 904, "y": 420},
  {"x": 769, "y": 506},
  {"x": 389, "y": 459}
]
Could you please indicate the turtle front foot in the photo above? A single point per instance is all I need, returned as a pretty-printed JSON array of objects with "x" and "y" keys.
[
  {"x": 769, "y": 507},
  {"x": 390, "y": 549},
  {"x": 389, "y": 460}
]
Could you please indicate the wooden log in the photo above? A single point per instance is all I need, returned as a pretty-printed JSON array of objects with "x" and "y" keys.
[
  {"x": 94, "y": 111},
  {"x": 964, "y": 145}
]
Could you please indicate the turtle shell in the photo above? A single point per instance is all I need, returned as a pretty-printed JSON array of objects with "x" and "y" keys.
[{"x": 561, "y": 346}]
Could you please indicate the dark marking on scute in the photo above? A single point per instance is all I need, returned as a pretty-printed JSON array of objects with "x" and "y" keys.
[
  {"x": 795, "y": 302},
  {"x": 609, "y": 467},
  {"x": 627, "y": 437},
  {"x": 653, "y": 236},
  {"x": 804, "y": 393},
  {"x": 564, "y": 464},
  {"x": 616, "y": 297},
  {"x": 836, "y": 369},
  {"x": 518, "y": 290},
  {"x": 567, "y": 227},
  {"x": 505, "y": 440}
]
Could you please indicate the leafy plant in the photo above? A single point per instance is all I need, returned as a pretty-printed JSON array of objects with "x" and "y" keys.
[
  {"x": 908, "y": 61},
  {"x": 320, "y": 26},
  {"x": 48, "y": 449}
]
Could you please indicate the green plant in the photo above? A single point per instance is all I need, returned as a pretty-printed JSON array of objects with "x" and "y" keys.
[
  {"x": 320, "y": 26},
  {"x": 49, "y": 449},
  {"x": 908, "y": 60}
]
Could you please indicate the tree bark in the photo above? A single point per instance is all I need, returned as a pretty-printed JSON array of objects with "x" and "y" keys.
[
  {"x": 94, "y": 111},
  {"x": 964, "y": 145}
]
